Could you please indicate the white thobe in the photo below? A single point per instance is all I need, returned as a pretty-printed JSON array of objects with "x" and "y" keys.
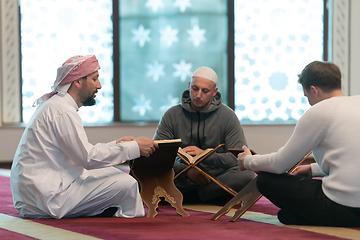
[{"x": 57, "y": 173}]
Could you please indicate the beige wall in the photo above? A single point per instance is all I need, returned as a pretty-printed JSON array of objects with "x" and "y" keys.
[{"x": 263, "y": 139}]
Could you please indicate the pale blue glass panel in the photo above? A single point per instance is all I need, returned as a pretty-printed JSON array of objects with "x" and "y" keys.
[
  {"x": 161, "y": 43},
  {"x": 52, "y": 32},
  {"x": 274, "y": 41}
]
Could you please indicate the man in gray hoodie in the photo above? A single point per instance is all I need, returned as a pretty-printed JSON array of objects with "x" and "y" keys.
[{"x": 201, "y": 121}]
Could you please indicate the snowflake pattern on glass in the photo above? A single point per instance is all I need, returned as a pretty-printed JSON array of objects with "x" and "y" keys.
[
  {"x": 274, "y": 41},
  {"x": 52, "y": 32},
  {"x": 162, "y": 43}
]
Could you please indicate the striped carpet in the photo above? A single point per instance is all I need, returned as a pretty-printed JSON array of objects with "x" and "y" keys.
[{"x": 258, "y": 223}]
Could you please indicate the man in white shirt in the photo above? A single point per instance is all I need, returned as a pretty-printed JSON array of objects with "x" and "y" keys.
[
  {"x": 330, "y": 129},
  {"x": 56, "y": 172}
]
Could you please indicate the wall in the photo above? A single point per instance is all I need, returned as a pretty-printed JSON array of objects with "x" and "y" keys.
[{"x": 263, "y": 139}]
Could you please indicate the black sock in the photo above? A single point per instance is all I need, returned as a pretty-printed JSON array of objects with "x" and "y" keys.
[{"x": 290, "y": 218}]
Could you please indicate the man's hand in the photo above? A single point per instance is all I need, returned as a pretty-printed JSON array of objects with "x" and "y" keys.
[
  {"x": 241, "y": 157},
  {"x": 192, "y": 150},
  {"x": 125, "y": 139},
  {"x": 198, "y": 177},
  {"x": 146, "y": 145},
  {"x": 303, "y": 171}
]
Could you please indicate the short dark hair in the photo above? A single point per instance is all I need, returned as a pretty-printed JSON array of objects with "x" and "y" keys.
[{"x": 325, "y": 75}]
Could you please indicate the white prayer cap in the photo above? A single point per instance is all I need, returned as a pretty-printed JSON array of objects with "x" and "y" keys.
[{"x": 206, "y": 72}]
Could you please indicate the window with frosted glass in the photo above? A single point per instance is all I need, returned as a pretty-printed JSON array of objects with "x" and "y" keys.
[
  {"x": 52, "y": 32},
  {"x": 161, "y": 43},
  {"x": 274, "y": 41}
]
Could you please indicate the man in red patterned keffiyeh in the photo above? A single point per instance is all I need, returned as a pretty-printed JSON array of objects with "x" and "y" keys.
[
  {"x": 56, "y": 172},
  {"x": 73, "y": 70}
]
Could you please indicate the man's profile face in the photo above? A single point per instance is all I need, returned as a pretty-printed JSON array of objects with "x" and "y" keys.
[
  {"x": 202, "y": 91},
  {"x": 90, "y": 87}
]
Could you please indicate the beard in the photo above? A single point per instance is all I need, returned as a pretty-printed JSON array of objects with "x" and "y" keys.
[{"x": 90, "y": 101}]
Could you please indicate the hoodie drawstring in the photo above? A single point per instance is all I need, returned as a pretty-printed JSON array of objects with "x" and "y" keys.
[
  {"x": 190, "y": 127},
  {"x": 198, "y": 130},
  {"x": 204, "y": 135}
]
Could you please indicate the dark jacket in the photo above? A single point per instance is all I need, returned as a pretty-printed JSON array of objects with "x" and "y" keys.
[{"x": 205, "y": 129}]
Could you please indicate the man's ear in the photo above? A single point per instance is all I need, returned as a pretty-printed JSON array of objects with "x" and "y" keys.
[
  {"x": 77, "y": 83},
  {"x": 314, "y": 90},
  {"x": 215, "y": 91},
  {"x": 73, "y": 87}
]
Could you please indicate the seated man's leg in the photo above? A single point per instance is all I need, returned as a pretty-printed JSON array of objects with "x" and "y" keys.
[
  {"x": 105, "y": 189},
  {"x": 293, "y": 194},
  {"x": 232, "y": 177},
  {"x": 291, "y": 218},
  {"x": 303, "y": 202},
  {"x": 188, "y": 188}
]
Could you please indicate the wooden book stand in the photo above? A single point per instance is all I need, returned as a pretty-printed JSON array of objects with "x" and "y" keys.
[
  {"x": 194, "y": 165},
  {"x": 155, "y": 175},
  {"x": 213, "y": 178},
  {"x": 247, "y": 197}
]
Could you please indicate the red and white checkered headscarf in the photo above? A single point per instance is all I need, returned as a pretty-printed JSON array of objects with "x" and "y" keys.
[{"x": 73, "y": 69}]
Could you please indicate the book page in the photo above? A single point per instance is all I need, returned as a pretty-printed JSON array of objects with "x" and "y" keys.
[
  {"x": 167, "y": 141},
  {"x": 187, "y": 156},
  {"x": 192, "y": 159},
  {"x": 202, "y": 154},
  {"x": 206, "y": 151}
]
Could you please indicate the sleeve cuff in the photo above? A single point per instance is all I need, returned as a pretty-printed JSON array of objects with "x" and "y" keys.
[
  {"x": 246, "y": 162},
  {"x": 134, "y": 151},
  {"x": 316, "y": 170}
]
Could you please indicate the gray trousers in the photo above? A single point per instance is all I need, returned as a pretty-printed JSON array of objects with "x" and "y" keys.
[{"x": 232, "y": 177}]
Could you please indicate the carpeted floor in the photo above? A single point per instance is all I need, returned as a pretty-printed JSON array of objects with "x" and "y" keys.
[{"x": 258, "y": 223}]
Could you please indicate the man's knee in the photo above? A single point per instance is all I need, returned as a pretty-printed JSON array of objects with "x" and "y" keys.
[
  {"x": 268, "y": 182},
  {"x": 240, "y": 180},
  {"x": 124, "y": 183},
  {"x": 262, "y": 181}
]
